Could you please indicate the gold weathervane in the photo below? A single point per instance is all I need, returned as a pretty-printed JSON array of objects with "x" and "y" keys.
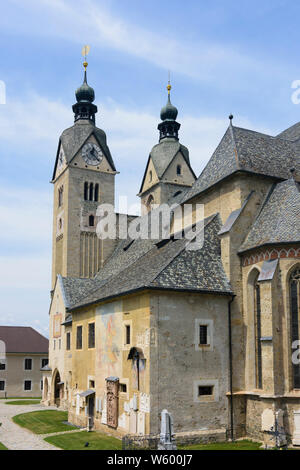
[
  {"x": 85, "y": 50},
  {"x": 169, "y": 84}
]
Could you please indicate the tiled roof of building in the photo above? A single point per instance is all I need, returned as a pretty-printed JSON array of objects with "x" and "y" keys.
[
  {"x": 250, "y": 151},
  {"x": 292, "y": 133},
  {"x": 23, "y": 339},
  {"x": 73, "y": 138},
  {"x": 279, "y": 218},
  {"x": 149, "y": 264}
]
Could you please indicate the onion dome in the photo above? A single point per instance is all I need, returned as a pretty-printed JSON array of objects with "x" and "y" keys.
[
  {"x": 169, "y": 112},
  {"x": 85, "y": 95},
  {"x": 85, "y": 92},
  {"x": 169, "y": 127}
]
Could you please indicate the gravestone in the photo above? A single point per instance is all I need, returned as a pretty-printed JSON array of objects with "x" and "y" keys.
[
  {"x": 296, "y": 433},
  {"x": 167, "y": 440}
]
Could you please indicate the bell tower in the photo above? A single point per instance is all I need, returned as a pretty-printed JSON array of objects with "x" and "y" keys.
[
  {"x": 168, "y": 171},
  {"x": 83, "y": 177}
]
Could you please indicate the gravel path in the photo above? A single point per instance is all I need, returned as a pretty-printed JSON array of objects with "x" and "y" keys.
[{"x": 16, "y": 438}]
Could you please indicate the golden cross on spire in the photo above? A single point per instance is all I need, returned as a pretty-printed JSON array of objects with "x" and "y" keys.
[{"x": 85, "y": 50}]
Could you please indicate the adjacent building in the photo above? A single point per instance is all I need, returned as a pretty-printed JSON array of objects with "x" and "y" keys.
[{"x": 24, "y": 352}]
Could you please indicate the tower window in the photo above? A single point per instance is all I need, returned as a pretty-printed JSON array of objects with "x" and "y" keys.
[
  {"x": 86, "y": 188},
  {"x": 91, "y": 221},
  {"x": 60, "y": 196},
  {"x": 96, "y": 192},
  {"x": 91, "y": 192},
  {"x": 178, "y": 170},
  {"x": 150, "y": 202}
]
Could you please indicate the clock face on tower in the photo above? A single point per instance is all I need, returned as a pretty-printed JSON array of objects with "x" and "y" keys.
[{"x": 92, "y": 154}]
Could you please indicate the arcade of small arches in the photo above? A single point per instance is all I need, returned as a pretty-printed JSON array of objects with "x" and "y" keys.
[{"x": 270, "y": 254}]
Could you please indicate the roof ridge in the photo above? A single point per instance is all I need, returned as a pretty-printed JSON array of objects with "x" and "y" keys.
[
  {"x": 235, "y": 148},
  {"x": 181, "y": 248}
]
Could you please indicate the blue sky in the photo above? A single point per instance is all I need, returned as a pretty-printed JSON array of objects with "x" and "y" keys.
[{"x": 237, "y": 57}]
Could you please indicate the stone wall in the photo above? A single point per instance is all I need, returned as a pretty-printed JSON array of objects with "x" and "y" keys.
[{"x": 179, "y": 366}]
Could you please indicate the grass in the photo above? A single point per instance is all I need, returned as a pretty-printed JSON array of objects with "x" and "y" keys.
[
  {"x": 44, "y": 422},
  {"x": 2, "y": 446},
  {"x": 77, "y": 440},
  {"x": 238, "y": 445},
  {"x": 20, "y": 398},
  {"x": 22, "y": 402}
]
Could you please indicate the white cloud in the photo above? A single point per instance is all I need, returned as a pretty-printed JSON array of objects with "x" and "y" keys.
[
  {"x": 75, "y": 20},
  {"x": 26, "y": 217}
]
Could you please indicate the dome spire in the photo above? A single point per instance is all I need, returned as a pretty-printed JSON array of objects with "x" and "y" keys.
[
  {"x": 85, "y": 95},
  {"x": 168, "y": 127}
]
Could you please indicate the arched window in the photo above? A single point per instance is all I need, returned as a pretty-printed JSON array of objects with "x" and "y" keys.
[
  {"x": 60, "y": 196},
  {"x": 91, "y": 221},
  {"x": 96, "y": 192},
  {"x": 86, "y": 189},
  {"x": 91, "y": 192},
  {"x": 178, "y": 169},
  {"x": 150, "y": 202},
  {"x": 257, "y": 321},
  {"x": 294, "y": 321}
]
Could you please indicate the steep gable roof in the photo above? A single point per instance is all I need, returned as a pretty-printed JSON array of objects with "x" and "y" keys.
[
  {"x": 149, "y": 264},
  {"x": 73, "y": 138},
  {"x": 23, "y": 339},
  {"x": 163, "y": 153},
  {"x": 279, "y": 218},
  {"x": 292, "y": 133},
  {"x": 245, "y": 150}
]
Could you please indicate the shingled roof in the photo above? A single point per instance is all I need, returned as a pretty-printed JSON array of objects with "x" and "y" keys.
[
  {"x": 73, "y": 138},
  {"x": 292, "y": 133},
  {"x": 249, "y": 151},
  {"x": 163, "y": 153},
  {"x": 23, "y": 339},
  {"x": 279, "y": 219},
  {"x": 149, "y": 264}
]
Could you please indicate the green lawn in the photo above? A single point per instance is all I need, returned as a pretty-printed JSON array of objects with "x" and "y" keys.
[
  {"x": 2, "y": 447},
  {"x": 23, "y": 402},
  {"x": 20, "y": 398},
  {"x": 44, "y": 422},
  {"x": 238, "y": 445},
  {"x": 77, "y": 440}
]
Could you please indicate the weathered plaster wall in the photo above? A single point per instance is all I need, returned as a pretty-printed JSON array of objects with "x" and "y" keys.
[{"x": 177, "y": 364}]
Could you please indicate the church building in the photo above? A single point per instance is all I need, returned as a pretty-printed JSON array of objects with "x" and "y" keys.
[{"x": 146, "y": 324}]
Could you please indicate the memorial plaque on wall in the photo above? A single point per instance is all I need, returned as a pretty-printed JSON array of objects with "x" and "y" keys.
[{"x": 112, "y": 401}]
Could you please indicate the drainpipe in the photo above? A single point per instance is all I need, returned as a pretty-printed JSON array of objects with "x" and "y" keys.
[{"x": 230, "y": 367}]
